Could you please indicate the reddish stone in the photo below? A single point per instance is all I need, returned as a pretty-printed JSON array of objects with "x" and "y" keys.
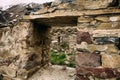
[
  {"x": 103, "y": 73},
  {"x": 88, "y": 60},
  {"x": 87, "y": 65},
  {"x": 81, "y": 77},
  {"x": 83, "y": 36}
]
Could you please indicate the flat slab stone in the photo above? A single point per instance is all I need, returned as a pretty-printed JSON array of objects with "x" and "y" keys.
[
  {"x": 106, "y": 32},
  {"x": 102, "y": 73},
  {"x": 93, "y": 4},
  {"x": 58, "y": 21},
  {"x": 87, "y": 60},
  {"x": 111, "y": 60},
  {"x": 69, "y": 12},
  {"x": 106, "y": 40},
  {"x": 108, "y": 19}
]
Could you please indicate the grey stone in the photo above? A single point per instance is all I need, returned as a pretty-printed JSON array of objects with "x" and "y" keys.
[
  {"x": 63, "y": 1},
  {"x": 106, "y": 40}
]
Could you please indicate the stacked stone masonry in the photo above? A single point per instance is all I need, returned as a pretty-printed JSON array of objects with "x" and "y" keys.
[
  {"x": 98, "y": 46},
  {"x": 24, "y": 48}
]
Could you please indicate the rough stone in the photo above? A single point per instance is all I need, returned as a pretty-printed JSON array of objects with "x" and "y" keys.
[
  {"x": 83, "y": 37},
  {"x": 111, "y": 48},
  {"x": 106, "y": 32},
  {"x": 63, "y": 1},
  {"x": 101, "y": 73},
  {"x": 10, "y": 72},
  {"x": 106, "y": 40},
  {"x": 81, "y": 47},
  {"x": 84, "y": 19},
  {"x": 110, "y": 25},
  {"x": 83, "y": 25},
  {"x": 88, "y": 60},
  {"x": 108, "y": 18},
  {"x": 93, "y": 4},
  {"x": 102, "y": 18},
  {"x": 22, "y": 49},
  {"x": 42, "y": 11},
  {"x": 72, "y": 13},
  {"x": 88, "y": 64},
  {"x": 111, "y": 60},
  {"x": 81, "y": 77}
]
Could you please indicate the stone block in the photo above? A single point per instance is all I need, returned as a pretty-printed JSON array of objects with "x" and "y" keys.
[
  {"x": 87, "y": 60},
  {"x": 108, "y": 19},
  {"x": 102, "y": 18},
  {"x": 84, "y": 19},
  {"x": 108, "y": 25},
  {"x": 83, "y": 25},
  {"x": 81, "y": 77},
  {"x": 84, "y": 47},
  {"x": 106, "y": 40},
  {"x": 106, "y": 32},
  {"x": 83, "y": 37},
  {"x": 111, "y": 48},
  {"x": 111, "y": 60},
  {"x": 93, "y": 4},
  {"x": 8, "y": 71},
  {"x": 88, "y": 65},
  {"x": 101, "y": 73}
]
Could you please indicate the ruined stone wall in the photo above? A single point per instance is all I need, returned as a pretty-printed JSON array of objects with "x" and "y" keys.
[
  {"x": 98, "y": 44},
  {"x": 98, "y": 47},
  {"x": 23, "y": 50},
  {"x": 98, "y": 35}
]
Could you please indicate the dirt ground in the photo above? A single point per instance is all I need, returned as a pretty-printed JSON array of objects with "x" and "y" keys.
[{"x": 55, "y": 72}]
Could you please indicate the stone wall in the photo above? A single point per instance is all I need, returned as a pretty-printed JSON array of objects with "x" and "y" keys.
[
  {"x": 23, "y": 49},
  {"x": 98, "y": 46},
  {"x": 63, "y": 39}
]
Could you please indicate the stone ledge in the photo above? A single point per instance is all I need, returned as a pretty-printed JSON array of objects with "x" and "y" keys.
[
  {"x": 102, "y": 32},
  {"x": 77, "y": 13},
  {"x": 107, "y": 32}
]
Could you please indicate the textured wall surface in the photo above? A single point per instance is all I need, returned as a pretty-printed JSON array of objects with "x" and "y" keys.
[
  {"x": 63, "y": 39},
  {"x": 98, "y": 46},
  {"x": 23, "y": 49}
]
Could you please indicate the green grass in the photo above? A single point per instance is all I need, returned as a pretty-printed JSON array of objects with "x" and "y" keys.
[{"x": 60, "y": 58}]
